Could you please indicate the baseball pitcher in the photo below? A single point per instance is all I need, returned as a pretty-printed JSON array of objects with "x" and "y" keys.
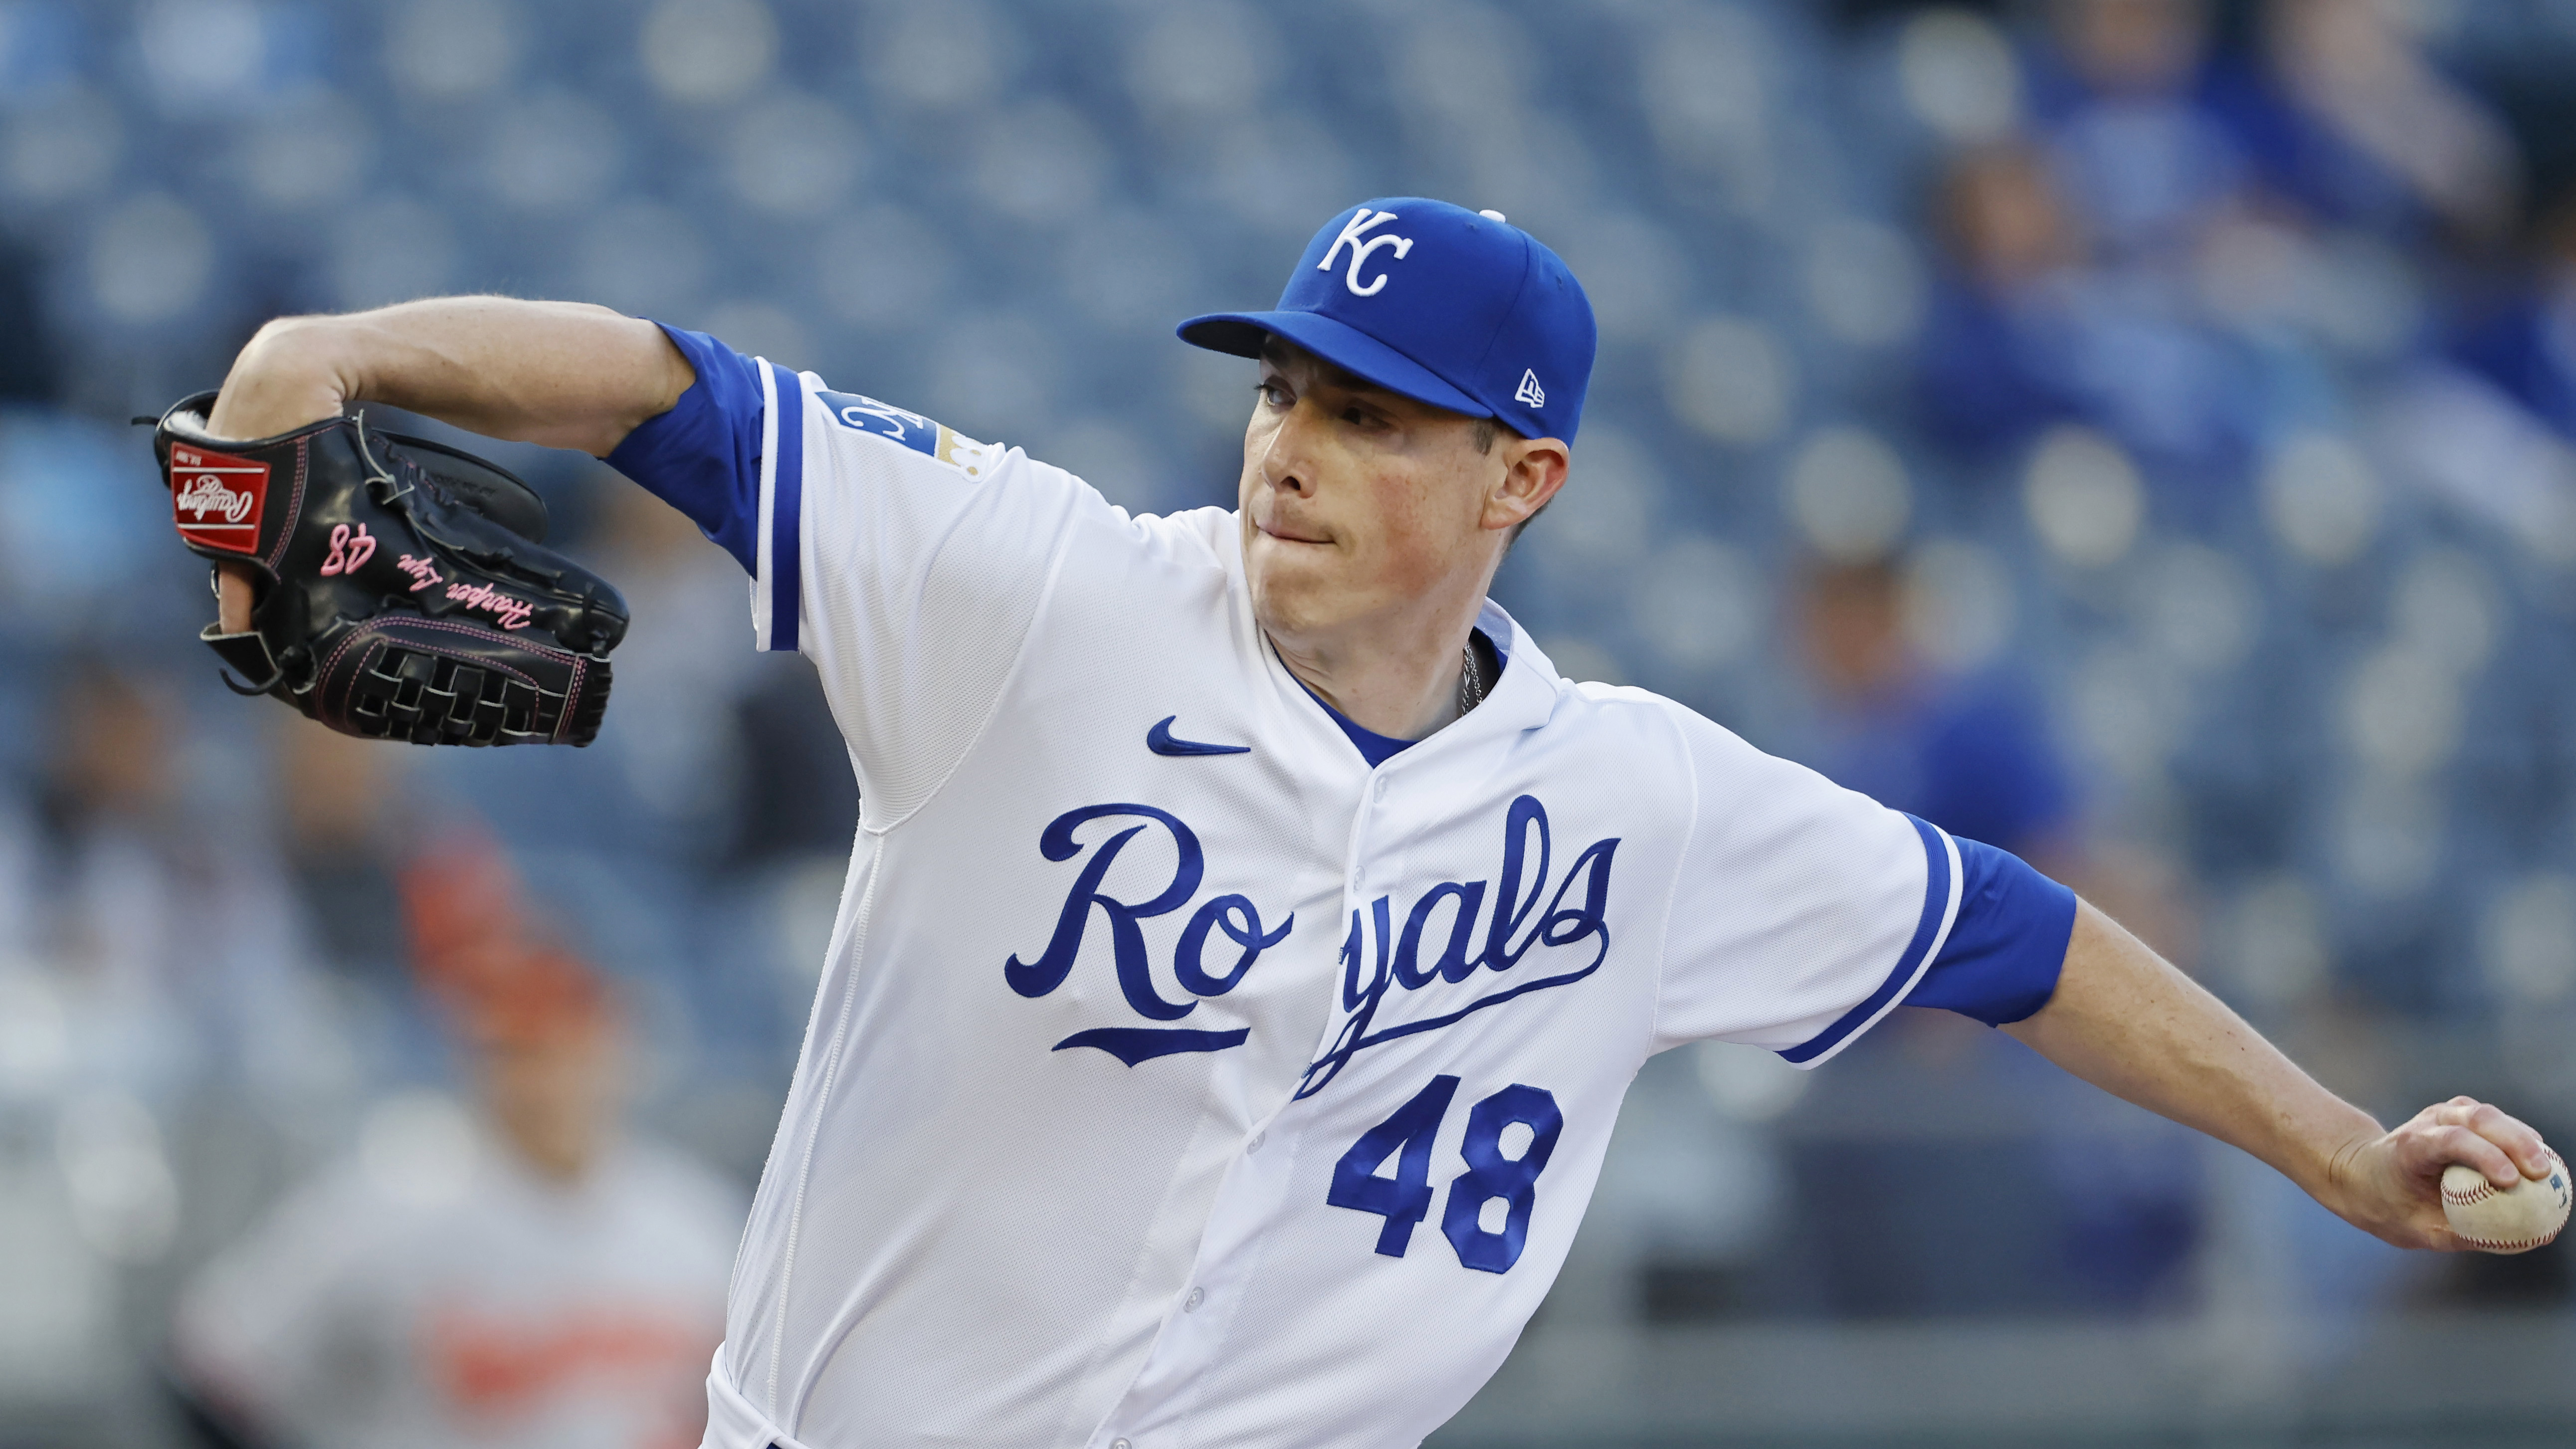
[{"x": 1249, "y": 935}]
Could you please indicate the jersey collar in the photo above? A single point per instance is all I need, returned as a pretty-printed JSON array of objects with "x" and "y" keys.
[{"x": 1525, "y": 697}]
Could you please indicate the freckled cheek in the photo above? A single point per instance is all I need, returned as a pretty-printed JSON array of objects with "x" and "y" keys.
[
  {"x": 1415, "y": 535},
  {"x": 1408, "y": 566}
]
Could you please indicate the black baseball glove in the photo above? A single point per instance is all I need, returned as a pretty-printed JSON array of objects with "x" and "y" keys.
[{"x": 400, "y": 591}]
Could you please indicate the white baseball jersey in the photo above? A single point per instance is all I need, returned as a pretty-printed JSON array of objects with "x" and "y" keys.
[
  {"x": 1177, "y": 1078},
  {"x": 434, "y": 1304}
]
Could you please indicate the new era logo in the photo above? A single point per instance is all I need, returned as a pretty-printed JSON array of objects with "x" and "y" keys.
[{"x": 1530, "y": 392}]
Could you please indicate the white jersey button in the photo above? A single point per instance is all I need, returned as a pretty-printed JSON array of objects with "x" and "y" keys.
[
  {"x": 1191, "y": 1303},
  {"x": 1257, "y": 1139},
  {"x": 1120, "y": 1444}
]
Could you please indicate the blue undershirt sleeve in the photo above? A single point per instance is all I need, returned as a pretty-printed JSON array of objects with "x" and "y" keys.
[
  {"x": 703, "y": 456},
  {"x": 2004, "y": 951}
]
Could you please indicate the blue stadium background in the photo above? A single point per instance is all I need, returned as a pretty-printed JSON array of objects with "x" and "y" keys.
[{"x": 2143, "y": 432}]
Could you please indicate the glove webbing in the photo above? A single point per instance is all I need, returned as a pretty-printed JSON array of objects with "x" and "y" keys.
[{"x": 429, "y": 699}]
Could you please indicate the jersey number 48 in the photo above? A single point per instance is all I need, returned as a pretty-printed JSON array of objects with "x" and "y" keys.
[{"x": 1405, "y": 1199}]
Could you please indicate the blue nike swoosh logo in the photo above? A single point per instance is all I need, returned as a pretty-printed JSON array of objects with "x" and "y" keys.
[
  {"x": 1133, "y": 1044},
  {"x": 1159, "y": 739}
]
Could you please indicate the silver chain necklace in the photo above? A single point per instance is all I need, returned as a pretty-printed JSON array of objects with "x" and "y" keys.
[{"x": 1471, "y": 680}]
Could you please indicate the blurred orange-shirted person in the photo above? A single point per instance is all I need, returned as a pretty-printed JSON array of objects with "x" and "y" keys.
[{"x": 523, "y": 1276}]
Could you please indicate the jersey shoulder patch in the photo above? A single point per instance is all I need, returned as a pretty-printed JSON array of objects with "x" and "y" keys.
[{"x": 934, "y": 440}]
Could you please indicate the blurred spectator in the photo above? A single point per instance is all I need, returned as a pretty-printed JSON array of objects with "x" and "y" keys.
[
  {"x": 534, "y": 1278},
  {"x": 2151, "y": 128},
  {"x": 2109, "y": 1215},
  {"x": 1992, "y": 370},
  {"x": 1974, "y": 753},
  {"x": 182, "y": 954},
  {"x": 2528, "y": 348},
  {"x": 2489, "y": 426},
  {"x": 346, "y": 819},
  {"x": 1973, "y": 756},
  {"x": 2178, "y": 206},
  {"x": 31, "y": 366},
  {"x": 2158, "y": 130},
  {"x": 2382, "y": 136},
  {"x": 2026, "y": 331}
]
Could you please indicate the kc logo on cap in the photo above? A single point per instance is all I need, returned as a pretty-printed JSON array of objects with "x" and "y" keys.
[
  {"x": 1473, "y": 329},
  {"x": 1361, "y": 221}
]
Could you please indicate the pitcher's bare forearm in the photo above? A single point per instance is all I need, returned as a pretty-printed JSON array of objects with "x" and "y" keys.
[
  {"x": 2129, "y": 1023},
  {"x": 2125, "y": 1020},
  {"x": 565, "y": 374}
]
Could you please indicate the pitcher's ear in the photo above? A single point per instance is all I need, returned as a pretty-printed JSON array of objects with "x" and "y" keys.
[{"x": 1533, "y": 470}]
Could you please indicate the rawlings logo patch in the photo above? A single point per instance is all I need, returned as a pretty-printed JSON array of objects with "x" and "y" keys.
[
  {"x": 208, "y": 498},
  {"x": 216, "y": 499}
]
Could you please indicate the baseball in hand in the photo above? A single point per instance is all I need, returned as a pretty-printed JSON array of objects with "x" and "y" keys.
[{"x": 2515, "y": 1220}]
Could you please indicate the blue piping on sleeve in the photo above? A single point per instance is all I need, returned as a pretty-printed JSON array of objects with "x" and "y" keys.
[
  {"x": 786, "y": 515},
  {"x": 1929, "y": 933},
  {"x": 1999, "y": 960}
]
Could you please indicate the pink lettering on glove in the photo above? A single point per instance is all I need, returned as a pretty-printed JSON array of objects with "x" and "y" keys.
[
  {"x": 423, "y": 572},
  {"x": 348, "y": 549},
  {"x": 510, "y": 613}
]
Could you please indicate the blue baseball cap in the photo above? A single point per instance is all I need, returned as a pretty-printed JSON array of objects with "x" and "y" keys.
[{"x": 1456, "y": 308}]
